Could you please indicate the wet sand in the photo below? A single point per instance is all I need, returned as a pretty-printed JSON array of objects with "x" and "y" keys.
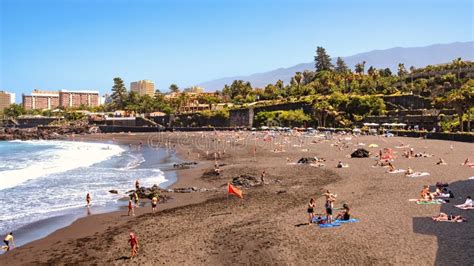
[{"x": 268, "y": 226}]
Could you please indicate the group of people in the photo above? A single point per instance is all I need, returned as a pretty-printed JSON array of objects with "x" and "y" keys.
[
  {"x": 442, "y": 193},
  {"x": 330, "y": 198}
]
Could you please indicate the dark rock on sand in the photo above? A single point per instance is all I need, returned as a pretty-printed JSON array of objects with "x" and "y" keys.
[
  {"x": 245, "y": 181},
  {"x": 149, "y": 193},
  {"x": 113, "y": 191},
  {"x": 360, "y": 153}
]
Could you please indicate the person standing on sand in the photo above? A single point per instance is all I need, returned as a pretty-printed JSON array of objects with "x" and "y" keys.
[
  {"x": 133, "y": 245},
  {"x": 311, "y": 206},
  {"x": 130, "y": 208},
  {"x": 88, "y": 200},
  {"x": 262, "y": 178},
  {"x": 330, "y": 198},
  {"x": 154, "y": 202},
  {"x": 137, "y": 185},
  {"x": 136, "y": 199},
  {"x": 7, "y": 240}
]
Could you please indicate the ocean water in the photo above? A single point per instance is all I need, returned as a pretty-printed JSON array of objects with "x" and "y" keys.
[{"x": 40, "y": 180}]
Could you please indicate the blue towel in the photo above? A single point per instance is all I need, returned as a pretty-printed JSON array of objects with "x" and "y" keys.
[
  {"x": 329, "y": 225},
  {"x": 352, "y": 220}
]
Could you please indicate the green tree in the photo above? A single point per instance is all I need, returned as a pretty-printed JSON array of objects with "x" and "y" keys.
[
  {"x": 341, "y": 66},
  {"x": 322, "y": 60},
  {"x": 14, "y": 110},
  {"x": 174, "y": 88},
  {"x": 119, "y": 94},
  {"x": 462, "y": 100},
  {"x": 402, "y": 72},
  {"x": 360, "y": 68}
]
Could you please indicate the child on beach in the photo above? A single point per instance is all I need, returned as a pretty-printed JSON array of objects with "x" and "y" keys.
[
  {"x": 311, "y": 206},
  {"x": 133, "y": 245},
  {"x": 130, "y": 208},
  {"x": 154, "y": 202},
  {"x": 7, "y": 240}
]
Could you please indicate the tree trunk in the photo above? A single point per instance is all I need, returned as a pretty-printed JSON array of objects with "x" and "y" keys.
[
  {"x": 468, "y": 121},
  {"x": 461, "y": 126}
]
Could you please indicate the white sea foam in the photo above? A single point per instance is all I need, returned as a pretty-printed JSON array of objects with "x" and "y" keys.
[{"x": 63, "y": 157}]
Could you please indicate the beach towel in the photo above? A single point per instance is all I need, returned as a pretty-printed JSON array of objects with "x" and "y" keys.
[
  {"x": 329, "y": 225},
  {"x": 397, "y": 171},
  {"x": 433, "y": 202},
  {"x": 465, "y": 208},
  {"x": 352, "y": 220},
  {"x": 418, "y": 174}
]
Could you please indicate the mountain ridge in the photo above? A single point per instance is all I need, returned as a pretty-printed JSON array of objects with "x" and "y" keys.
[{"x": 419, "y": 56}]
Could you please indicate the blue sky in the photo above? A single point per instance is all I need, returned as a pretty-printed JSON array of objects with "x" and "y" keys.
[{"x": 84, "y": 44}]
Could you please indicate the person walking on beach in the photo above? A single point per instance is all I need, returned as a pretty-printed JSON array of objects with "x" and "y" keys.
[
  {"x": 7, "y": 240},
  {"x": 311, "y": 206},
  {"x": 154, "y": 202},
  {"x": 130, "y": 208},
  {"x": 133, "y": 244},
  {"x": 88, "y": 200},
  {"x": 262, "y": 178}
]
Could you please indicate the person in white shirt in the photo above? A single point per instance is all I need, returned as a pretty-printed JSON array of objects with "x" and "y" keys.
[{"x": 466, "y": 204}]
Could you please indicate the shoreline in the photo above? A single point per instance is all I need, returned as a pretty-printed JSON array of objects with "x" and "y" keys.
[
  {"x": 268, "y": 226},
  {"x": 40, "y": 229}
]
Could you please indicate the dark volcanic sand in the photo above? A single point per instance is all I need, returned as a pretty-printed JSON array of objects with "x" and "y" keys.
[{"x": 211, "y": 228}]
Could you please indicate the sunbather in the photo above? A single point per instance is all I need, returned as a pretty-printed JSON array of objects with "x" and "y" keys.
[
  {"x": 443, "y": 217},
  {"x": 441, "y": 162},
  {"x": 467, "y": 204},
  {"x": 409, "y": 171},
  {"x": 425, "y": 194},
  {"x": 345, "y": 214}
]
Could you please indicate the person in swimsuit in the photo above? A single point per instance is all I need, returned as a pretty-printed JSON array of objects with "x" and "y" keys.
[
  {"x": 311, "y": 206},
  {"x": 130, "y": 208},
  {"x": 330, "y": 198},
  {"x": 425, "y": 194},
  {"x": 345, "y": 214},
  {"x": 133, "y": 245},
  {"x": 154, "y": 202},
  {"x": 7, "y": 240},
  {"x": 443, "y": 217},
  {"x": 262, "y": 178},
  {"x": 136, "y": 199},
  {"x": 137, "y": 185},
  {"x": 88, "y": 199}
]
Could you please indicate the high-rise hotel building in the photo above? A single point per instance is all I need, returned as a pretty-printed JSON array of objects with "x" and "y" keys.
[
  {"x": 41, "y": 100},
  {"x": 63, "y": 98},
  {"x": 6, "y": 98},
  {"x": 143, "y": 87}
]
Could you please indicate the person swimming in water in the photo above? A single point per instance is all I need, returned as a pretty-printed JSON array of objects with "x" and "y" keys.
[{"x": 7, "y": 240}]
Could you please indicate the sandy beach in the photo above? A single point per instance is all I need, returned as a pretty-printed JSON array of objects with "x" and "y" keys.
[{"x": 269, "y": 226}]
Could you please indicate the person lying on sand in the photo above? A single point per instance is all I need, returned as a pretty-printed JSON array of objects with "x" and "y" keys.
[
  {"x": 345, "y": 214},
  {"x": 425, "y": 194},
  {"x": 467, "y": 162},
  {"x": 467, "y": 204},
  {"x": 409, "y": 171},
  {"x": 311, "y": 206},
  {"x": 133, "y": 244},
  {"x": 441, "y": 162},
  {"x": 443, "y": 217},
  {"x": 7, "y": 240}
]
